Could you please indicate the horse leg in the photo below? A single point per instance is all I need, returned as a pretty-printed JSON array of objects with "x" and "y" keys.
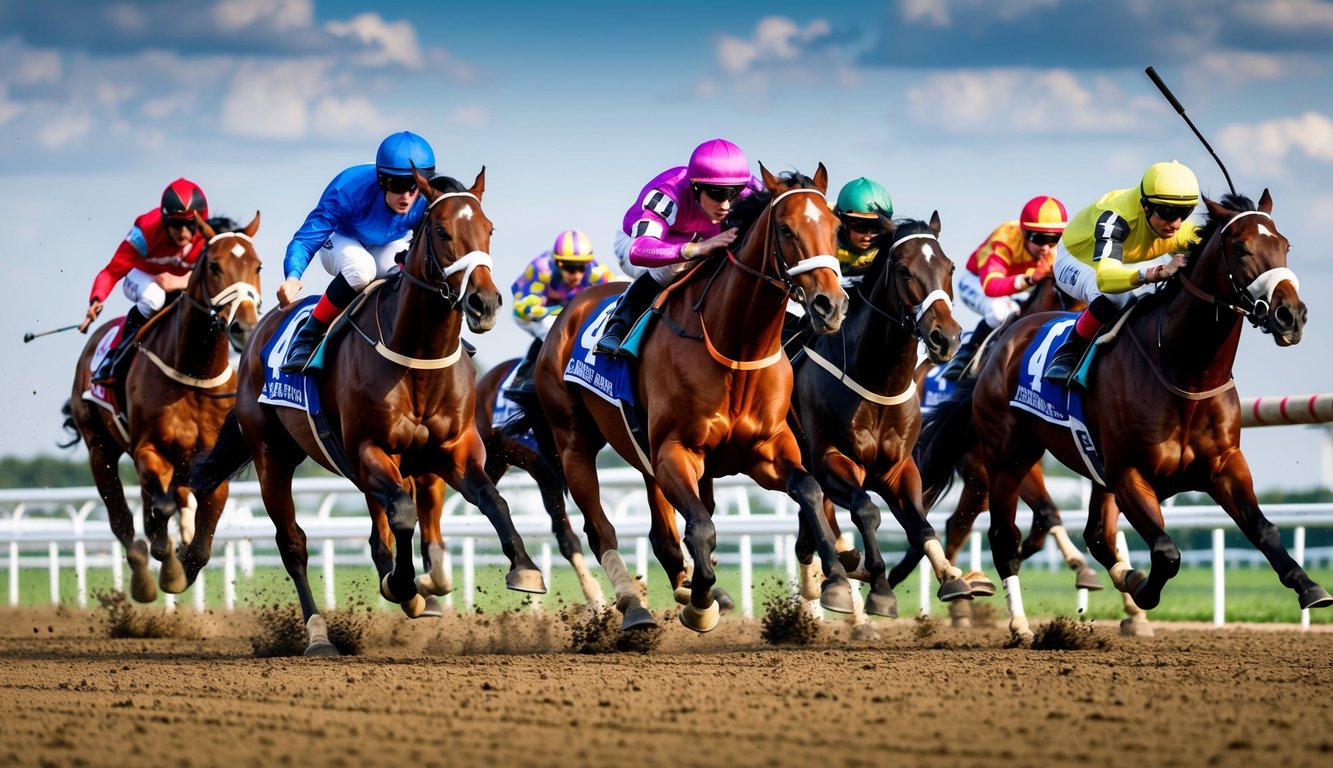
[
  {"x": 724, "y": 602},
  {"x": 1138, "y": 502},
  {"x": 677, "y": 472},
  {"x": 901, "y": 489},
  {"x": 551, "y": 485},
  {"x": 841, "y": 479},
  {"x": 1100, "y": 536},
  {"x": 435, "y": 581},
  {"x": 974, "y": 500},
  {"x": 809, "y": 575},
  {"x": 1004, "y": 538},
  {"x": 1046, "y": 520},
  {"x": 664, "y": 536},
  {"x": 103, "y": 456},
  {"x": 155, "y": 474},
  {"x": 1233, "y": 490},
  {"x": 199, "y": 522}
]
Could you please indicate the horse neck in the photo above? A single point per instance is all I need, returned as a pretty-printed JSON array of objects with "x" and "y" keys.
[
  {"x": 882, "y": 354},
  {"x": 1198, "y": 340},
  {"x": 744, "y": 312},
  {"x": 415, "y": 331},
  {"x": 195, "y": 340}
]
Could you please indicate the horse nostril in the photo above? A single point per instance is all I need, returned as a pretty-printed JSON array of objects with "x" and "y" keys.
[{"x": 822, "y": 306}]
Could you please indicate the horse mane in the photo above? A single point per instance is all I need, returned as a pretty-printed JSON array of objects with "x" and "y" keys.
[
  {"x": 223, "y": 224},
  {"x": 748, "y": 209},
  {"x": 1234, "y": 204},
  {"x": 884, "y": 242},
  {"x": 446, "y": 184}
]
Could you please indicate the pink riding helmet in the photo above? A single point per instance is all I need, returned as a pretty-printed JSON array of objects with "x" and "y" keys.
[{"x": 718, "y": 161}]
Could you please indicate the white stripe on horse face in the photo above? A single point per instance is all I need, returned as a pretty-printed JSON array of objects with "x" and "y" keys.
[
  {"x": 238, "y": 250},
  {"x": 466, "y": 213},
  {"x": 928, "y": 252},
  {"x": 812, "y": 211},
  {"x": 1265, "y": 231}
]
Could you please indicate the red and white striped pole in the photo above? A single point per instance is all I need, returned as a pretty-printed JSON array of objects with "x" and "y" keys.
[{"x": 1291, "y": 409}]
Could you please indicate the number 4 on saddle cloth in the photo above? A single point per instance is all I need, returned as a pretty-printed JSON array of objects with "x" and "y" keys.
[
  {"x": 611, "y": 378},
  {"x": 1058, "y": 404}
]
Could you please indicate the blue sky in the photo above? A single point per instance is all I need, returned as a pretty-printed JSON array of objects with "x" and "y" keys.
[{"x": 966, "y": 107}]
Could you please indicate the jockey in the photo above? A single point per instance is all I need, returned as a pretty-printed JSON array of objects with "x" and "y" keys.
[
  {"x": 1124, "y": 227},
  {"x": 545, "y": 287},
  {"x": 1017, "y": 255},
  {"x": 864, "y": 207},
  {"x": 677, "y": 219},
  {"x": 360, "y": 228},
  {"x": 154, "y": 259}
]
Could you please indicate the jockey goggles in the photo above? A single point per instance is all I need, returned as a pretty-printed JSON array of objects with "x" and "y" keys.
[
  {"x": 719, "y": 193},
  {"x": 572, "y": 266},
  {"x": 399, "y": 185},
  {"x": 1169, "y": 213},
  {"x": 863, "y": 226},
  {"x": 189, "y": 223},
  {"x": 1042, "y": 238}
]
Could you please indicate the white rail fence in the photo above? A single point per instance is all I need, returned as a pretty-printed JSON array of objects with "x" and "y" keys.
[{"x": 67, "y": 528}]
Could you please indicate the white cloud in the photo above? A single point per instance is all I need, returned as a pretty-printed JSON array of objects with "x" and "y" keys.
[
  {"x": 387, "y": 43},
  {"x": 125, "y": 17},
  {"x": 64, "y": 129},
  {"x": 776, "y": 39},
  {"x": 280, "y": 15},
  {"x": 355, "y": 116},
  {"x": 272, "y": 99},
  {"x": 1303, "y": 16},
  {"x": 930, "y": 12},
  {"x": 1264, "y": 147}
]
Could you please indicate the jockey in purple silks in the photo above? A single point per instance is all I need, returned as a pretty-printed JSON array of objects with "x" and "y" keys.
[{"x": 677, "y": 219}]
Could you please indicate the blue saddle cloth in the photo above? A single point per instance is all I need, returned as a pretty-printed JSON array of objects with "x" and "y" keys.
[
  {"x": 507, "y": 411},
  {"x": 607, "y": 377},
  {"x": 935, "y": 389},
  {"x": 292, "y": 390},
  {"x": 1055, "y": 403}
]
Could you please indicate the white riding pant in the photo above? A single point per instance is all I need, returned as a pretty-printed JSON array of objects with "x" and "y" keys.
[
  {"x": 141, "y": 288},
  {"x": 1079, "y": 280},
  {"x": 538, "y": 328},
  {"x": 360, "y": 264},
  {"x": 993, "y": 309}
]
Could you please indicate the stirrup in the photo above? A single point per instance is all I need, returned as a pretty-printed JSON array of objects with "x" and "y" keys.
[{"x": 609, "y": 345}]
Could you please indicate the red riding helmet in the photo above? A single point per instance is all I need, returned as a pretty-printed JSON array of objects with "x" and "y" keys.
[
  {"x": 181, "y": 199},
  {"x": 1044, "y": 214}
]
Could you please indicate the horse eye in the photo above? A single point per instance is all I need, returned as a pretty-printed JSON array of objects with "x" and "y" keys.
[
  {"x": 215, "y": 267},
  {"x": 1240, "y": 250},
  {"x": 443, "y": 233},
  {"x": 259, "y": 269},
  {"x": 785, "y": 230}
]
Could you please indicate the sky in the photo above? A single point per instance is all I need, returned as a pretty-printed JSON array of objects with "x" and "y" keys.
[{"x": 966, "y": 107}]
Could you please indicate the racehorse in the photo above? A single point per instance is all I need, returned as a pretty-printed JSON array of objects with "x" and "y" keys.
[
  {"x": 401, "y": 407},
  {"x": 855, "y": 404},
  {"x": 505, "y": 448},
  {"x": 176, "y": 393},
  {"x": 715, "y": 387},
  {"x": 1162, "y": 413}
]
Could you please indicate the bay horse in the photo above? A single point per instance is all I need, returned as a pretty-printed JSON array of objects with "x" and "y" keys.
[
  {"x": 715, "y": 387},
  {"x": 1163, "y": 411},
  {"x": 403, "y": 409},
  {"x": 176, "y": 393},
  {"x": 505, "y": 448},
  {"x": 855, "y": 403}
]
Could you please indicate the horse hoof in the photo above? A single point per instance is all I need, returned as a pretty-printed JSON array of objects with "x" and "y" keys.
[
  {"x": 980, "y": 583},
  {"x": 1022, "y": 638},
  {"x": 854, "y": 563},
  {"x": 526, "y": 580},
  {"x": 954, "y": 589},
  {"x": 961, "y": 622},
  {"x": 426, "y": 586},
  {"x": 1088, "y": 579},
  {"x": 681, "y": 595},
  {"x": 1315, "y": 597},
  {"x": 882, "y": 605},
  {"x": 1137, "y": 626},
  {"x": 723, "y": 600},
  {"x": 700, "y": 620},
  {"x": 171, "y": 578},
  {"x": 836, "y": 596},
  {"x": 143, "y": 588},
  {"x": 414, "y": 606},
  {"x": 433, "y": 607},
  {"x": 321, "y": 650},
  {"x": 385, "y": 592},
  {"x": 1143, "y": 599},
  {"x": 637, "y": 617}
]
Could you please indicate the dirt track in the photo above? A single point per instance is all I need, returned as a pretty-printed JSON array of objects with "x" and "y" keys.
[{"x": 506, "y": 690}]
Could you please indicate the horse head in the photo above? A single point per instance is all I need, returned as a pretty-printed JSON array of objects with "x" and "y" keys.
[
  {"x": 801, "y": 233},
  {"x": 453, "y": 253},
  {"x": 226, "y": 279},
  {"x": 914, "y": 278},
  {"x": 1250, "y": 265}
]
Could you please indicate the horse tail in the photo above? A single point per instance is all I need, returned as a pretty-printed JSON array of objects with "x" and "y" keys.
[
  {"x": 946, "y": 435},
  {"x": 226, "y": 459},
  {"x": 69, "y": 426}
]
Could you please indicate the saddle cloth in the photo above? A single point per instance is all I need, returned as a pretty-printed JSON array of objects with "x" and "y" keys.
[
  {"x": 1055, "y": 403},
  {"x": 607, "y": 377}
]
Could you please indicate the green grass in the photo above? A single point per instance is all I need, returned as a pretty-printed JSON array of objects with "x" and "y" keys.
[{"x": 1253, "y": 594}]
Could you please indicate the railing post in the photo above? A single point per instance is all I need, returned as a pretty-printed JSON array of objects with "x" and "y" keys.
[
  {"x": 923, "y": 568},
  {"x": 544, "y": 565},
  {"x": 747, "y": 557},
  {"x": 229, "y": 576},
  {"x": 1219, "y": 577},
  {"x": 974, "y": 555},
  {"x": 1299, "y": 554},
  {"x": 13, "y": 573},
  {"x": 469, "y": 572},
  {"x": 330, "y": 587},
  {"x": 117, "y": 567},
  {"x": 200, "y": 592}
]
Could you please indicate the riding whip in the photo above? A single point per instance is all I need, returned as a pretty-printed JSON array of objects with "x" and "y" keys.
[
  {"x": 30, "y": 335},
  {"x": 1161, "y": 86}
]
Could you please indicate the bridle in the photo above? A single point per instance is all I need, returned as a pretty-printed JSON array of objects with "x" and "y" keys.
[
  {"x": 784, "y": 281},
  {"x": 1255, "y": 299},
  {"x": 465, "y": 264},
  {"x": 908, "y": 321},
  {"x": 233, "y": 295}
]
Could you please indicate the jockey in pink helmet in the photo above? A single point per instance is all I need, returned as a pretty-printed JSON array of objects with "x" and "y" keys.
[{"x": 676, "y": 219}]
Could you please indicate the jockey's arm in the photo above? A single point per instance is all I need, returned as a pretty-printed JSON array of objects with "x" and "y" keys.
[
  {"x": 315, "y": 230},
  {"x": 1113, "y": 276},
  {"x": 995, "y": 278},
  {"x": 169, "y": 281}
]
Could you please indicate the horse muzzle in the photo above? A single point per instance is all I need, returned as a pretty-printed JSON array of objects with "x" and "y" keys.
[
  {"x": 826, "y": 311},
  {"x": 480, "y": 309},
  {"x": 1286, "y": 322}
]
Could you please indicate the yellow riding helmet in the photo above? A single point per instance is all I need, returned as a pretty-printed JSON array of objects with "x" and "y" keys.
[
  {"x": 572, "y": 247},
  {"x": 1170, "y": 184}
]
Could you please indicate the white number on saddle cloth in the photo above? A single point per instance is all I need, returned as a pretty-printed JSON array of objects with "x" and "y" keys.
[
  {"x": 1037, "y": 363},
  {"x": 279, "y": 351},
  {"x": 593, "y": 332}
]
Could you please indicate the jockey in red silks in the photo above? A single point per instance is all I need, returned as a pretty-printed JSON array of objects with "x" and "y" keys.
[
  {"x": 545, "y": 287},
  {"x": 1117, "y": 247},
  {"x": 676, "y": 219},
  {"x": 1017, "y": 255},
  {"x": 153, "y": 260}
]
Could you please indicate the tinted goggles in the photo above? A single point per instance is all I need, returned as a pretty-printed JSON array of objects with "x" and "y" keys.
[
  {"x": 189, "y": 223},
  {"x": 573, "y": 266},
  {"x": 399, "y": 185},
  {"x": 1042, "y": 238},
  {"x": 863, "y": 226},
  {"x": 1171, "y": 213},
  {"x": 718, "y": 193}
]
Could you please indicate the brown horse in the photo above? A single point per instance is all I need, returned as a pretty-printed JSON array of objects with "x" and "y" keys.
[
  {"x": 716, "y": 399},
  {"x": 856, "y": 404},
  {"x": 1163, "y": 411},
  {"x": 506, "y": 447},
  {"x": 176, "y": 393},
  {"x": 402, "y": 408}
]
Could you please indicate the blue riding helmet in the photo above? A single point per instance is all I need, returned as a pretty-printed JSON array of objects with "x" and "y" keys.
[{"x": 399, "y": 152}]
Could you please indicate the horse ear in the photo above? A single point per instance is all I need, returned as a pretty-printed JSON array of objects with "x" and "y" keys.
[
  {"x": 935, "y": 223},
  {"x": 253, "y": 226},
  {"x": 423, "y": 184},
  {"x": 821, "y": 179},
  {"x": 1266, "y": 202},
  {"x": 1216, "y": 209},
  {"x": 207, "y": 231},
  {"x": 479, "y": 184},
  {"x": 771, "y": 182}
]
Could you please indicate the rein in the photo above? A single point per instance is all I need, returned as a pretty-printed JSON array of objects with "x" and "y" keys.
[
  {"x": 901, "y": 319},
  {"x": 1259, "y": 293}
]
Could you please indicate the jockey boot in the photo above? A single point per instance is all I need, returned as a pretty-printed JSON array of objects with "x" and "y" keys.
[
  {"x": 524, "y": 388},
  {"x": 636, "y": 300},
  {"x": 117, "y": 362},
  {"x": 961, "y": 359},
  {"x": 1061, "y": 368},
  {"x": 304, "y": 345}
]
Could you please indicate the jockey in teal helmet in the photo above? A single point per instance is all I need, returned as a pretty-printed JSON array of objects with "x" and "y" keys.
[{"x": 362, "y": 224}]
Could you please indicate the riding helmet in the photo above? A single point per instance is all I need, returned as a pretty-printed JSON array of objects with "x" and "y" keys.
[
  {"x": 1044, "y": 214},
  {"x": 1170, "y": 184},
  {"x": 401, "y": 151},
  {"x": 864, "y": 198},
  {"x": 572, "y": 246},
  {"x": 181, "y": 199},
  {"x": 718, "y": 161}
]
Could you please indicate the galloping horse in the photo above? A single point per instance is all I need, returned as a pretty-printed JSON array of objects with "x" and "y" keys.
[
  {"x": 400, "y": 406},
  {"x": 716, "y": 387},
  {"x": 856, "y": 403},
  {"x": 506, "y": 447},
  {"x": 1163, "y": 412},
  {"x": 176, "y": 393}
]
